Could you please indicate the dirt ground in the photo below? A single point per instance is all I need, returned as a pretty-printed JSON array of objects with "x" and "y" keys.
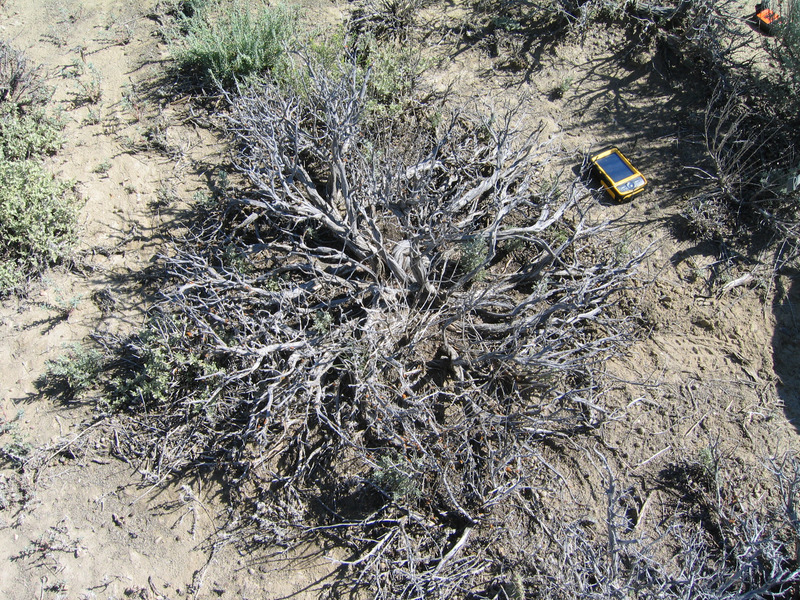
[{"x": 718, "y": 366}]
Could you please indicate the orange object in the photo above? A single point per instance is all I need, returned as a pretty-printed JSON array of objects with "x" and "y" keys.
[{"x": 766, "y": 18}]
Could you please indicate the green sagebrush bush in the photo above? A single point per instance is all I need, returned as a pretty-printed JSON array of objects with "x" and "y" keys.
[
  {"x": 227, "y": 40},
  {"x": 38, "y": 214},
  {"x": 389, "y": 69},
  {"x": 76, "y": 370},
  {"x": 163, "y": 367},
  {"x": 38, "y": 220},
  {"x": 24, "y": 135}
]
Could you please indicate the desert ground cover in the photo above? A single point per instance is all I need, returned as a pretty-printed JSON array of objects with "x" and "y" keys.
[{"x": 365, "y": 325}]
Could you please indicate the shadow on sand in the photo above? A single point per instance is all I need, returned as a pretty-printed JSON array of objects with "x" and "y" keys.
[{"x": 786, "y": 346}]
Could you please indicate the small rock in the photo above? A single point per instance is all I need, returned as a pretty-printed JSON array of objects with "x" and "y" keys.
[{"x": 704, "y": 323}]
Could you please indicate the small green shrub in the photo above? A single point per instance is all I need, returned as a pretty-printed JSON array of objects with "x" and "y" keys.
[
  {"x": 89, "y": 89},
  {"x": 395, "y": 70},
  {"x": 102, "y": 168},
  {"x": 229, "y": 40},
  {"x": 321, "y": 322},
  {"x": 165, "y": 368},
  {"x": 38, "y": 220},
  {"x": 395, "y": 475},
  {"x": 61, "y": 305},
  {"x": 149, "y": 383},
  {"x": 561, "y": 88},
  {"x": 233, "y": 257},
  {"x": 10, "y": 276},
  {"x": 784, "y": 46},
  {"x": 17, "y": 449},
  {"x": 24, "y": 135},
  {"x": 391, "y": 69},
  {"x": 473, "y": 254},
  {"x": 38, "y": 215},
  {"x": 20, "y": 82},
  {"x": 514, "y": 587},
  {"x": 76, "y": 371}
]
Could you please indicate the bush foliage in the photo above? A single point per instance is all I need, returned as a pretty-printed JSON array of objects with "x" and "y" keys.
[
  {"x": 27, "y": 134},
  {"x": 38, "y": 213},
  {"x": 38, "y": 220},
  {"x": 75, "y": 371},
  {"x": 224, "y": 41}
]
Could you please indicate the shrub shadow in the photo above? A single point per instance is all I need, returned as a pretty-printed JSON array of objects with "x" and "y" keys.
[{"x": 786, "y": 346}]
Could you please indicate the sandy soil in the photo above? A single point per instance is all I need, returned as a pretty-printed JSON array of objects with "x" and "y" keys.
[{"x": 721, "y": 366}]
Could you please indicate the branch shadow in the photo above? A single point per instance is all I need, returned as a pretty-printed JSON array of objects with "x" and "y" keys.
[{"x": 786, "y": 346}]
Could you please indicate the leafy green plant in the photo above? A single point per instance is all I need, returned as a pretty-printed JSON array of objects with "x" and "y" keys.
[
  {"x": 784, "y": 46},
  {"x": 394, "y": 72},
  {"x": 164, "y": 368},
  {"x": 234, "y": 257},
  {"x": 75, "y": 69},
  {"x": 63, "y": 306},
  {"x": 27, "y": 134},
  {"x": 102, "y": 168},
  {"x": 76, "y": 371},
  {"x": 150, "y": 378},
  {"x": 223, "y": 182},
  {"x": 228, "y": 40},
  {"x": 38, "y": 220},
  {"x": 473, "y": 254},
  {"x": 561, "y": 88},
  {"x": 514, "y": 587},
  {"x": 321, "y": 322},
  {"x": 89, "y": 89},
  {"x": 38, "y": 214},
  {"x": 17, "y": 449},
  {"x": 166, "y": 195},
  {"x": 396, "y": 476},
  {"x": 390, "y": 69},
  {"x": 93, "y": 117}
]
